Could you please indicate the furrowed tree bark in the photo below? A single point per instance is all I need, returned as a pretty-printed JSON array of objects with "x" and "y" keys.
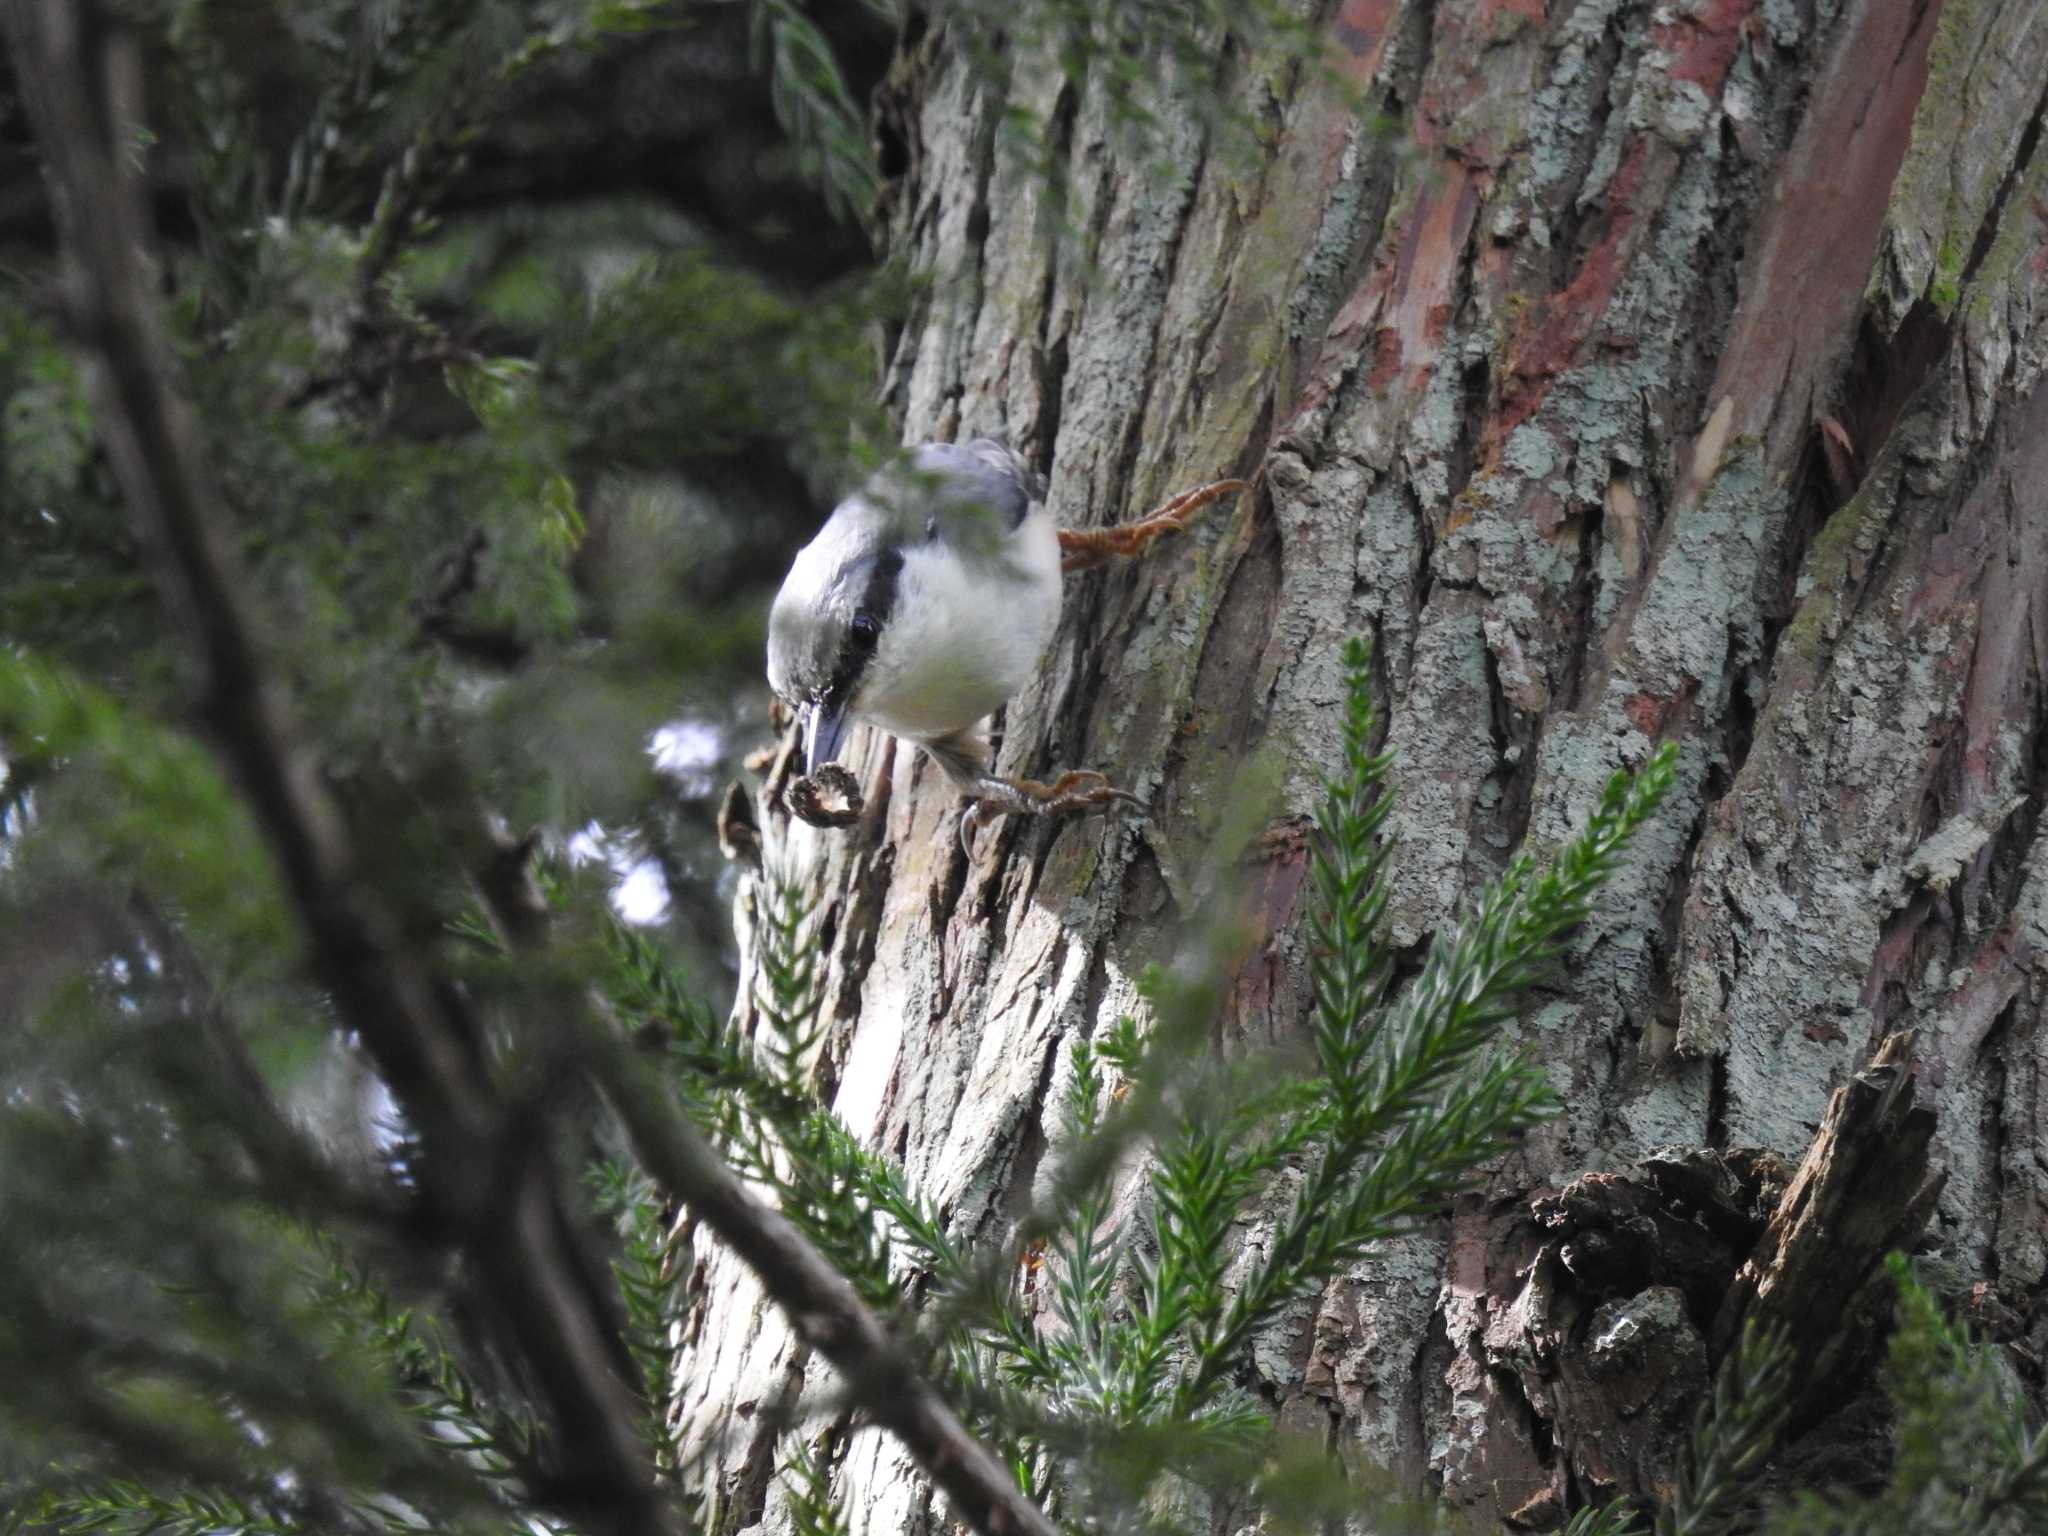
[{"x": 1672, "y": 372}]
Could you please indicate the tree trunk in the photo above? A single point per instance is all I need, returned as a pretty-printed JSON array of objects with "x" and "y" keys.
[{"x": 1669, "y": 373}]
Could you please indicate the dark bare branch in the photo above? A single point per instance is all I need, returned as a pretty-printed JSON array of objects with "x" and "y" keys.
[{"x": 882, "y": 1379}]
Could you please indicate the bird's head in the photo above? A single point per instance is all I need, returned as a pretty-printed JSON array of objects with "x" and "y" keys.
[{"x": 825, "y": 627}]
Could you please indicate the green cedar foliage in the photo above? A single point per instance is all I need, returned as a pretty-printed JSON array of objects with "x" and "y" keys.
[
  {"x": 1125, "y": 1388},
  {"x": 1733, "y": 1438},
  {"x": 462, "y": 461},
  {"x": 1969, "y": 1457},
  {"x": 468, "y": 459}
]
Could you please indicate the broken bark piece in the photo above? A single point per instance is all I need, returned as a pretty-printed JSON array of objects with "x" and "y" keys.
[
  {"x": 1606, "y": 1338},
  {"x": 1617, "y": 1233},
  {"x": 1627, "y": 1392},
  {"x": 1544, "y": 1510},
  {"x": 1862, "y": 1190},
  {"x": 811, "y": 797},
  {"x": 739, "y": 833},
  {"x": 1731, "y": 1193}
]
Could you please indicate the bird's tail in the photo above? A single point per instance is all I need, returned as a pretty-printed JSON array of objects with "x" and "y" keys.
[{"x": 963, "y": 755}]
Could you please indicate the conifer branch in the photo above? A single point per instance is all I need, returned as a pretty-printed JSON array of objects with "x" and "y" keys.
[
  {"x": 418, "y": 175},
  {"x": 499, "y": 1200},
  {"x": 821, "y": 1303},
  {"x": 1735, "y": 1434},
  {"x": 511, "y": 1213},
  {"x": 1412, "y": 1105}
]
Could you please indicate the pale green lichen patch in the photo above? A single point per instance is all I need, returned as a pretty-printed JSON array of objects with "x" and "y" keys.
[
  {"x": 1938, "y": 860},
  {"x": 1695, "y": 607},
  {"x": 1677, "y": 111},
  {"x": 1783, "y": 19},
  {"x": 1443, "y": 739},
  {"x": 1983, "y": 88},
  {"x": 2002, "y": 343},
  {"x": 1852, "y": 531},
  {"x": 1564, "y": 108},
  {"x": 1530, "y": 452}
]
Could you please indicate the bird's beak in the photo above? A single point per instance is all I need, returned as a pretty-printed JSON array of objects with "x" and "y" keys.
[{"x": 824, "y": 729}]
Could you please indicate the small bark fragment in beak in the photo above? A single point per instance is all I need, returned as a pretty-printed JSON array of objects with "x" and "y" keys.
[{"x": 812, "y": 797}]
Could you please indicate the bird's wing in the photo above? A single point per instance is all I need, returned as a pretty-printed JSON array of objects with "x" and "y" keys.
[{"x": 1023, "y": 481}]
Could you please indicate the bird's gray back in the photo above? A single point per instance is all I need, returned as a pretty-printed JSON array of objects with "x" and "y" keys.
[
  {"x": 969, "y": 495},
  {"x": 983, "y": 477}
]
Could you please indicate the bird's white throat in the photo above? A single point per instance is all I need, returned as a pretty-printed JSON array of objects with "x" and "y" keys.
[{"x": 963, "y": 637}]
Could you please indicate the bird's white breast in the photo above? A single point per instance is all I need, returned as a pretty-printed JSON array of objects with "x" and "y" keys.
[{"x": 963, "y": 637}]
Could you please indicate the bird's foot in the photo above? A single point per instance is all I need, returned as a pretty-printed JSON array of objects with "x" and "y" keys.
[
  {"x": 1082, "y": 790},
  {"x": 1081, "y": 548}
]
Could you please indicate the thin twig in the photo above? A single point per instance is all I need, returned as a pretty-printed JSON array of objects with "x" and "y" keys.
[{"x": 284, "y": 1161}]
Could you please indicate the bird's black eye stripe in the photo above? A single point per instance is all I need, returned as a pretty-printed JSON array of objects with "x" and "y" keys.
[{"x": 877, "y": 600}]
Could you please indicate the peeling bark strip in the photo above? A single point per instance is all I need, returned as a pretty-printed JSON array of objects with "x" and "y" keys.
[
  {"x": 1672, "y": 373},
  {"x": 1862, "y": 1191},
  {"x": 1610, "y": 1304},
  {"x": 1589, "y": 1309}
]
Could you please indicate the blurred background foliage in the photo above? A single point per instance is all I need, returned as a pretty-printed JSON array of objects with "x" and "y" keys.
[
  {"x": 528, "y": 339},
  {"x": 527, "y": 349}
]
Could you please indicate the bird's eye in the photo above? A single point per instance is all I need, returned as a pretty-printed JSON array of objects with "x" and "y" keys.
[{"x": 866, "y": 630}]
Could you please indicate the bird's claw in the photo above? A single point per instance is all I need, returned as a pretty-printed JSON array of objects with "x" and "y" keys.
[
  {"x": 1081, "y": 548},
  {"x": 1082, "y": 789}
]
